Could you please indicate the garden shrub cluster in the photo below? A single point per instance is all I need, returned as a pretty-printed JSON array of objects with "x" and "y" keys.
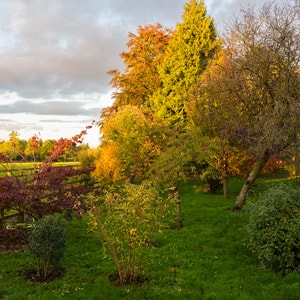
[
  {"x": 48, "y": 190},
  {"x": 274, "y": 228},
  {"x": 124, "y": 219},
  {"x": 47, "y": 243}
]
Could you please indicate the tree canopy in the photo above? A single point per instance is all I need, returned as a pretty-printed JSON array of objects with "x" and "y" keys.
[
  {"x": 131, "y": 140},
  {"x": 140, "y": 78},
  {"x": 187, "y": 55},
  {"x": 239, "y": 94},
  {"x": 250, "y": 93}
]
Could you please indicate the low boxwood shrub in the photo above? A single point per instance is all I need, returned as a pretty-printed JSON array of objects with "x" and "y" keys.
[
  {"x": 47, "y": 243},
  {"x": 274, "y": 228}
]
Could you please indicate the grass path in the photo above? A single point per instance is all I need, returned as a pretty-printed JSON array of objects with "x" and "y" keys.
[{"x": 207, "y": 259}]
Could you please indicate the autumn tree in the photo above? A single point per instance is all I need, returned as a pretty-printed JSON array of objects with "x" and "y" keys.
[
  {"x": 250, "y": 94},
  {"x": 131, "y": 140},
  {"x": 108, "y": 164},
  {"x": 47, "y": 146},
  {"x": 14, "y": 147},
  {"x": 33, "y": 147},
  {"x": 140, "y": 78},
  {"x": 187, "y": 55},
  {"x": 222, "y": 160}
]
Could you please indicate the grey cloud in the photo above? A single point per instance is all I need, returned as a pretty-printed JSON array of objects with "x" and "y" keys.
[
  {"x": 62, "y": 49},
  {"x": 14, "y": 124},
  {"x": 58, "y": 121},
  {"x": 225, "y": 11},
  {"x": 70, "y": 108},
  {"x": 66, "y": 47}
]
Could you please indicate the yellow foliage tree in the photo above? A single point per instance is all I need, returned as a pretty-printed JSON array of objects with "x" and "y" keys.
[
  {"x": 108, "y": 166},
  {"x": 131, "y": 141}
]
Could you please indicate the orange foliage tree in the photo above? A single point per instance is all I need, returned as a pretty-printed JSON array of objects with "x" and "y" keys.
[
  {"x": 140, "y": 78},
  {"x": 108, "y": 165}
]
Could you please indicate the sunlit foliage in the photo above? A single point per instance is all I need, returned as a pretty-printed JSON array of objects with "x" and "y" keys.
[
  {"x": 131, "y": 140},
  {"x": 140, "y": 78},
  {"x": 125, "y": 219},
  {"x": 194, "y": 43},
  {"x": 250, "y": 93}
]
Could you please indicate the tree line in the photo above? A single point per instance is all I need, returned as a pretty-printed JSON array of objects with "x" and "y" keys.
[
  {"x": 193, "y": 102},
  {"x": 36, "y": 149}
]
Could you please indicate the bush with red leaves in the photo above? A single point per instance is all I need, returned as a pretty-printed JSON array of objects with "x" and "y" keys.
[{"x": 50, "y": 189}]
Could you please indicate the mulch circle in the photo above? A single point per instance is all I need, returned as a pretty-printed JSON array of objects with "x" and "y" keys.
[
  {"x": 33, "y": 276},
  {"x": 138, "y": 280}
]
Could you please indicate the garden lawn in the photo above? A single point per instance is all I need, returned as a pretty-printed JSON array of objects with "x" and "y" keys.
[{"x": 207, "y": 259}]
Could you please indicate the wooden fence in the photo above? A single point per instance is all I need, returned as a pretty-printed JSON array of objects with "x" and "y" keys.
[{"x": 26, "y": 175}]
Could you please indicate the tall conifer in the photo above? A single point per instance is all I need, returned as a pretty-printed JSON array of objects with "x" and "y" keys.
[{"x": 194, "y": 43}]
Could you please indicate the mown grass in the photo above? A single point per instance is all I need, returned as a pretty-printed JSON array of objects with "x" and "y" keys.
[{"x": 207, "y": 259}]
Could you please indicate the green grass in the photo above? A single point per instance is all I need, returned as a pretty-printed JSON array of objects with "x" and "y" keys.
[
  {"x": 207, "y": 259},
  {"x": 23, "y": 168}
]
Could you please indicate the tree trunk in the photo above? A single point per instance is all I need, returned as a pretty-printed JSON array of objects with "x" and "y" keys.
[
  {"x": 179, "y": 221},
  {"x": 174, "y": 193},
  {"x": 241, "y": 198},
  {"x": 225, "y": 186}
]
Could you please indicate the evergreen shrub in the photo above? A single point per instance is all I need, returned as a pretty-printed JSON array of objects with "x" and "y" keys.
[
  {"x": 47, "y": 243},
  {"x": 274, "y": 228}
]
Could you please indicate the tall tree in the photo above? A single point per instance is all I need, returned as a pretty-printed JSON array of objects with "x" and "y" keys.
[
  {"x": 46, "y": 147},
  {"x": 32, "y": 149},
  {"x": 140, "y": 78},
  {"x": 250, "y": 95},
  {"x": 193, "y": 45},
  {"x": 13, "y": 148}
]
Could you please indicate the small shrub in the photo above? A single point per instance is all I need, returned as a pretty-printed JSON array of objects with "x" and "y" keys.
[
  {"x": 124, "y": 220},
  {"x": 274, "y": 228},
  {"x": 212, "y": 181},
  {"x": 47, "y": 242}
]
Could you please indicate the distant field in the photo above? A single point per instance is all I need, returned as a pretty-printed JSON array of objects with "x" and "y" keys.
[{"x": 19, "y": 168}]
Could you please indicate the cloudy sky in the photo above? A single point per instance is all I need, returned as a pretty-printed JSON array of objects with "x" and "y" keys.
[{"x": 54, "y": 58}]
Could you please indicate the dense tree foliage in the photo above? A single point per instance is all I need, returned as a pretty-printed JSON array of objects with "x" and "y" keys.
[
  {"x": 159, "y": 65},
  {"x": 35, "y": 149},
  {"x": 250, "y": 94},
  {"x": 131, "y": 140},
  {"x": 187, "y": 55},
  {"x": 240, "y": 95},
  {"x": 140, "y": 78}
]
